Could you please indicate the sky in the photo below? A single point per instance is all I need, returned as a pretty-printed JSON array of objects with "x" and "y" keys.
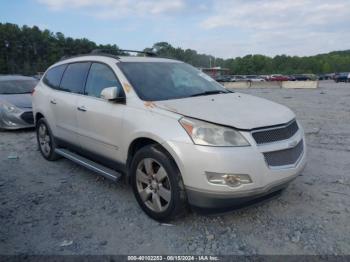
[{"x": 222, "y": 28}]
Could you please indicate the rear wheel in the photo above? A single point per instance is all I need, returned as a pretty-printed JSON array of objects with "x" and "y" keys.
[
  {"x": 45, "y": 140},
  {"x": 157, "y": 184}
]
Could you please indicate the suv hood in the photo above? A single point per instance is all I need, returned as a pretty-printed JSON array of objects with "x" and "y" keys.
[{"x": 234, "y": 109}]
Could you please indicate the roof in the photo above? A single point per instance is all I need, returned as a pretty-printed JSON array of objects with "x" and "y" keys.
[{"x": 15, "y": 77}]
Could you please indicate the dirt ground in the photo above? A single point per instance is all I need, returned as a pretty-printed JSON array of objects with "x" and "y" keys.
[{"x": 62, "y": 208}]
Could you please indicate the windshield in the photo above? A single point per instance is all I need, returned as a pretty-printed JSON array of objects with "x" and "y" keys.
[
  {"x": 155, "y": 81},
  {"x": 17, "y": 86}
]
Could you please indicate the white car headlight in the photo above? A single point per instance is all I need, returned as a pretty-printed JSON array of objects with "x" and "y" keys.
[
  {"x": 207, "y": 134},
  {"x": 9, "y": 108}
]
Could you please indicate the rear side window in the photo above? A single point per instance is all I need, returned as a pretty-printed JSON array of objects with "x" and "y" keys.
[
  {"x": 100, "y": 77},
  {"x": 74, "y": 77},
  {"x": 54, "y": 75}
]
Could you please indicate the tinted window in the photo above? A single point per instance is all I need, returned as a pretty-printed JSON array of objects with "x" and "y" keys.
[
  {"x": 54, "y": 75},
  {"x": 100, "y": 77},
  {"x": 154, "y": 81},
  {"x": 17, "y": 86},
  {"x": 74, "y": 77}
]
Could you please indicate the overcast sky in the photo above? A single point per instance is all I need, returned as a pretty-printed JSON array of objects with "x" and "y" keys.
[{"x": 222, "y": 28}]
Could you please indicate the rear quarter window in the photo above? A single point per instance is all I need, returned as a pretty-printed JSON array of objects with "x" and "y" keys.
[
  {"x": 53, "y": 77},
  {"x": 74, "y": 77}
]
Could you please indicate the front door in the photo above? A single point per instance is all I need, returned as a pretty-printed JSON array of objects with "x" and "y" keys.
[{"x": 99, "y": 120}]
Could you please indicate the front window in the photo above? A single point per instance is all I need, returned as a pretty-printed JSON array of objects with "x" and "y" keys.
[
  {"x": 100, "y": 77},
  {"x": 17, "y": 86},
  {"x": 155, "y": 81}
]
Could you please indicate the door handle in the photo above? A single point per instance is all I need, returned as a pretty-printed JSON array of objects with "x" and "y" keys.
[
  {"x": 53, "y": 101},
  {"x": 81, "y": 108}
]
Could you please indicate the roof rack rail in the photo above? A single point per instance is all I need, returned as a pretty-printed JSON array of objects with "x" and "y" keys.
[
  {"x": 113, "y": 53},
  {"x": 89, "y": 54},
  {"x": 119, "y": 51}
]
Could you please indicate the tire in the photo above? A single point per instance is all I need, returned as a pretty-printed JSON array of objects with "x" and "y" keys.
[
  {"x": 157, "y": 184},
  {"x": 46, "y": 141}
]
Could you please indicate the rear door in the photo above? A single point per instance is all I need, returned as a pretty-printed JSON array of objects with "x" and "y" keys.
[
  {"x": 51, "y": 79},
  {"x": 64, "y": 101},
  {"x": 100, "y": 121}
]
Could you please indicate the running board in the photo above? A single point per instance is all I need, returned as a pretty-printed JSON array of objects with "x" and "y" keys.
[{"x": 102, "y": 170}]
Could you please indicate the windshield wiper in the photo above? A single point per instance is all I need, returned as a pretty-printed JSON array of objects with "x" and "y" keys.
[{"x": 211, "y": 92}]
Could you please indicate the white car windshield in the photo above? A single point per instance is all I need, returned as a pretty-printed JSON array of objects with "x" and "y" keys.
[{"x": 155, "y": 81}]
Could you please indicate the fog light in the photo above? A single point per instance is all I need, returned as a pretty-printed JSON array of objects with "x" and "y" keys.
[{"x": 232, "y": 180}]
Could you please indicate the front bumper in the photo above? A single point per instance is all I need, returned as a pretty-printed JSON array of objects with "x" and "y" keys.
[
  {"x": 194, "y": 161},
  {"x": 11, "y": 121},
  {"x": 214, "y": 200}
]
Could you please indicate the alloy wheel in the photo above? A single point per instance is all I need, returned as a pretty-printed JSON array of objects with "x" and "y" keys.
[
  {"x": 153, "y": 185},
  {"x": 44, "y": 140}
]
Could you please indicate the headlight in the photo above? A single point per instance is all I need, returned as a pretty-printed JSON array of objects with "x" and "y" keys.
[
  {"x": 207, "y": 134},
  {"x": 9, "y": 108}
]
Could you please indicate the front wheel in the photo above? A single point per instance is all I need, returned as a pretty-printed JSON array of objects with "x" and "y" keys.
[{"x": 157, "y": 184}]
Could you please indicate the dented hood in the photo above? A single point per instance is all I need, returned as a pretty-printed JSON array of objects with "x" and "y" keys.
[{"x": 234, "y": 109}]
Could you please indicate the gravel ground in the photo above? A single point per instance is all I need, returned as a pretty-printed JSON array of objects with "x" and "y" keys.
[{"x": 62, "y": 208}]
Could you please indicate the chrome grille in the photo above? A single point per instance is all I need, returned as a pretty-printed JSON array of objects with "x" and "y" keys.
[
  {"x": 284, "y": 157},
  {"x": 275, "y": 134}
]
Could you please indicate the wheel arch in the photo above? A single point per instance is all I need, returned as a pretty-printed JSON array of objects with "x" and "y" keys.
[
  {"x": 38, "y": 116},
  {"x": 141, "y": 142}
]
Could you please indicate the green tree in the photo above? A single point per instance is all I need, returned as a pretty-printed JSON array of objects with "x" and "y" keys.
[{"x": 28, "y": 50}]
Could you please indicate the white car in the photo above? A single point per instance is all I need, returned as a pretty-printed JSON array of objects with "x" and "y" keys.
[
  {"x": 254, "y": 78},
  {"x": 177, "y": 136}
]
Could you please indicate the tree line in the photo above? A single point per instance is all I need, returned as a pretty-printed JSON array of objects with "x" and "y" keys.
[{"x": 28, "y": 50}]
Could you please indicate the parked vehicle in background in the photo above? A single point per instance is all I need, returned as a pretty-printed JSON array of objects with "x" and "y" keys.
[
  {"x": 38, "y": 76},
  {"x": 264, "y": 77},
  {"x": 237, "y": 78},
  {"x": 223, "y": 78},
  {"x": 278, "y": 78},
  {"x": 292, "y": 78},
  {"x": 322, "y": 77},
  {"x": 16, "y": 101},
  {"x": 312, "y": 77},
  {"x": 254, "y": 78},
  {"x": 341, "y": 77},
  {"x": 325, "y": 76},
  {"x": 139, "y": 117},
  {"x": 301, "y": 77}
]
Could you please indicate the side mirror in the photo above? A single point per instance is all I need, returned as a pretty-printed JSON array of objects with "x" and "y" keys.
[{"x": 113, "y": 93}]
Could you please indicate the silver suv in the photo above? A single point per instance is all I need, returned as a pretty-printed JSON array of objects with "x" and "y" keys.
[{"x": 177, "y": 136}]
